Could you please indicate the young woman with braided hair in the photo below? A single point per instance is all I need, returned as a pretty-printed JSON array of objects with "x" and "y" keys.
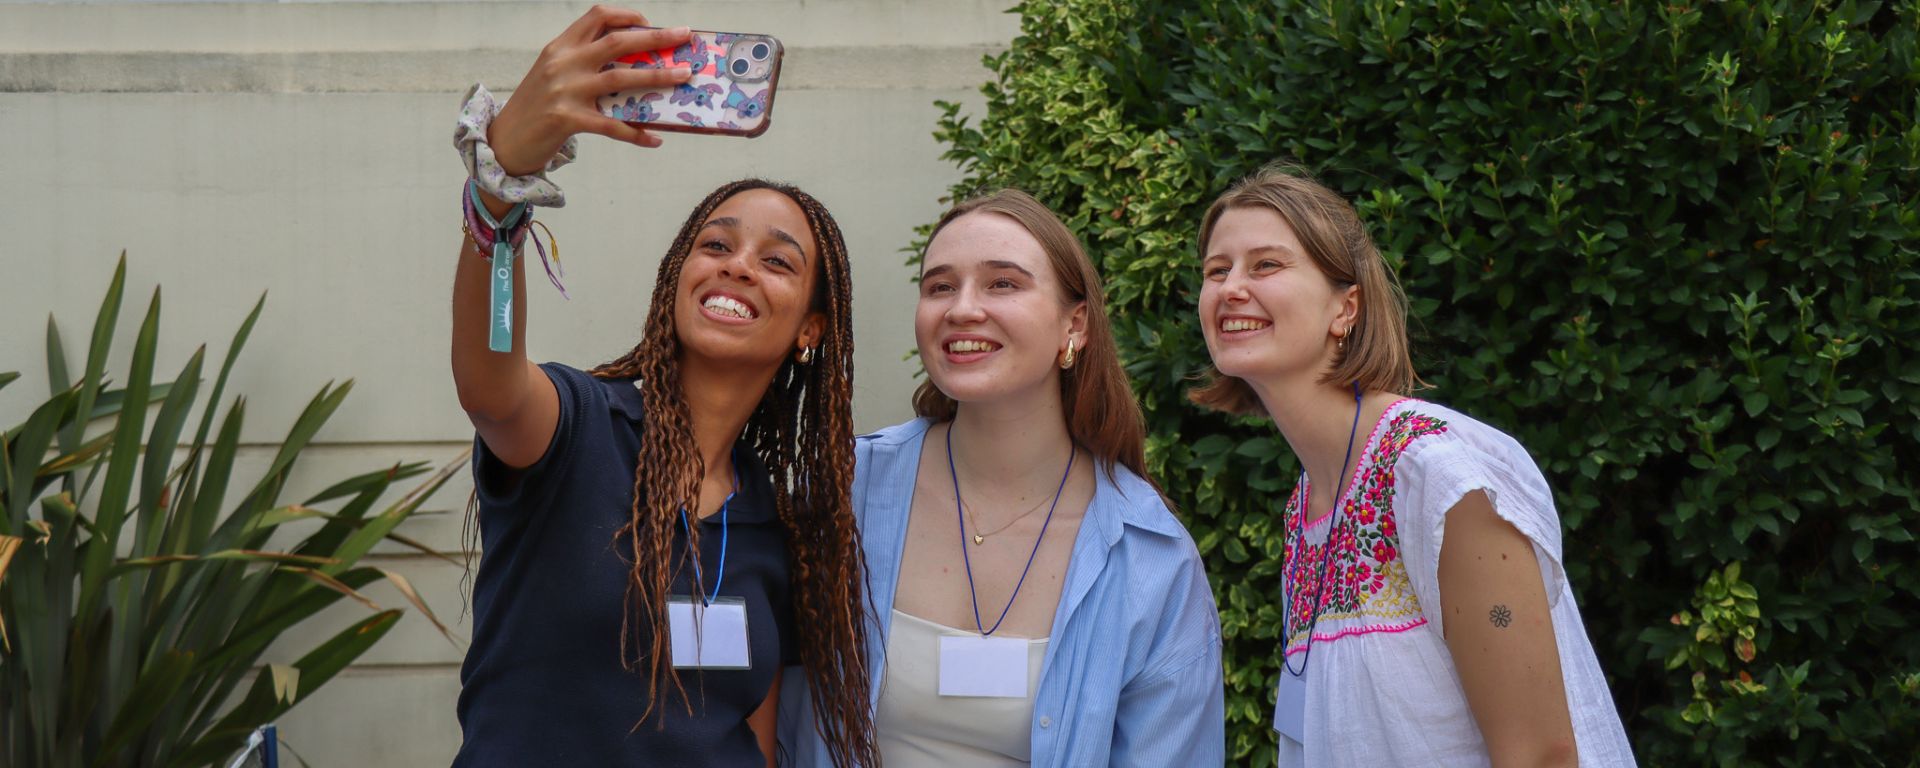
[
  {"x": 1035, "y": 600},
  {"x": 663, "y": 535}
]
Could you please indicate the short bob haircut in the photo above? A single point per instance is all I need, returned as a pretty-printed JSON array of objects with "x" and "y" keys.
[{"x": 1376, "y": 356}]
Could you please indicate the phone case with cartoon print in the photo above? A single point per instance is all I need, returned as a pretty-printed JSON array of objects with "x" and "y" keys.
[{"x": 730, "y": 94}]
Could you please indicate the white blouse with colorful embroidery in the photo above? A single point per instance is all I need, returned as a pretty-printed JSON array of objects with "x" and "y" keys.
[{"x": 1381, "y": 686}]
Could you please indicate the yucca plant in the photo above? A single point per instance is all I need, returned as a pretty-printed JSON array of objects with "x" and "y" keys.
[{"x": 136, "y": 592}]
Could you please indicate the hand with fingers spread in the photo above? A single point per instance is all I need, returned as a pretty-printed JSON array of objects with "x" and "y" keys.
[{"x": 557, "y": 97}]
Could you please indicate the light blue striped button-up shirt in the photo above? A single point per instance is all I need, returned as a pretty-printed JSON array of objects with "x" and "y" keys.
[{"x": 1132, "y": 673}]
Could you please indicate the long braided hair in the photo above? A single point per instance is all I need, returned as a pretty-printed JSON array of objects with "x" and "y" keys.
[{"x": 802, "y": 431}]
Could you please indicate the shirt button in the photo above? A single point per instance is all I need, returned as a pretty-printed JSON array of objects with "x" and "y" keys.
[{"x": 1046, "y": 722}]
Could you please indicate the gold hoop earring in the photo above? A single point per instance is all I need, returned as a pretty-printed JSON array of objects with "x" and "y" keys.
[
  {"x": 806, "y": 355},
  {"x": 1068, "y": 363}
]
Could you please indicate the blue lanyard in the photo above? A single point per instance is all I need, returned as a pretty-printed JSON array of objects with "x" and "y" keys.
[
  {"x": 698, "y": 582},
  {"x": 968, "y": 561},
  {"x": 1326, "y": 548},
  {"x": 500, "y": 304}
]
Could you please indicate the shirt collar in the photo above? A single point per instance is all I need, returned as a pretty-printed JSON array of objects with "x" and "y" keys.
[
  {"x": 623, "y": 397},
  {"x": 752, "y": 503}
]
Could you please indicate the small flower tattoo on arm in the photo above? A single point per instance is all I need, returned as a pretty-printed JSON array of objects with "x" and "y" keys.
[{"x": 1500, "y": 616}]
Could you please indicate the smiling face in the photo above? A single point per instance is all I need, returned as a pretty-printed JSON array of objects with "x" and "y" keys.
[
  {"x": 746, "y": 290},
  {"x": 1266, "y": 310},
  {"x": 991, "y": 323}
]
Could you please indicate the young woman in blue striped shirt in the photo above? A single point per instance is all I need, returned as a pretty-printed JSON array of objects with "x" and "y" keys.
[{"x": 1036, "y": 602}]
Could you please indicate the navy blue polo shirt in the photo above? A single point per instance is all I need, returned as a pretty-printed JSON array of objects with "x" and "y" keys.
[{"x": 542, "y": 684}]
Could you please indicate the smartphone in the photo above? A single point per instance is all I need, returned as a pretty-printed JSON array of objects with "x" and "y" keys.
[{"x": 731, "y": 93}]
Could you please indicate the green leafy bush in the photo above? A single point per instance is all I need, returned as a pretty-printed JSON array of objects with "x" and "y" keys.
[
  {"x": 1671, "y": 247},
  {"x": 136, "y": 604}
]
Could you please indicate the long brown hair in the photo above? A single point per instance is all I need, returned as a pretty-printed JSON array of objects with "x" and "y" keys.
[
  {"x": 1375, "y": 355},
  {"x": 803, "y": 431},
  {"x": 1102, "y": 415}
]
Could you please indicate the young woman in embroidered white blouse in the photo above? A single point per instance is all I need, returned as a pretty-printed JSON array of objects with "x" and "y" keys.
[{"x": 1398, "y": 651}]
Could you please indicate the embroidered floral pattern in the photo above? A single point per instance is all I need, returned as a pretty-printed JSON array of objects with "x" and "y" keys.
[{"x": 1366, "y": 588}]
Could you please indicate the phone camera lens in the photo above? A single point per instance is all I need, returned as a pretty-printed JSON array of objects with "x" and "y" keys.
[
  {"x": 739, "y": 66},
  {"x": 760, "y": 51}
]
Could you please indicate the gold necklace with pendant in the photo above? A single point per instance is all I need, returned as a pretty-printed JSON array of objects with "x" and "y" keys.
[{"x": 980, "y": 538}]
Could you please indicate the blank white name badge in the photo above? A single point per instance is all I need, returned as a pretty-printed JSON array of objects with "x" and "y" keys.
[
  {"x": 708, "y": 637},
  {"x": 993, "y": 667},
  {"x": 1290, "y": 706}
]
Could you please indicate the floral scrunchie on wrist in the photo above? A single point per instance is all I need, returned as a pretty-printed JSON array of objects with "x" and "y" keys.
[{"x": 470, "y": 137}]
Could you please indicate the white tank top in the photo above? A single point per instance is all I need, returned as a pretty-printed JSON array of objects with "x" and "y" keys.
[{"x": 916, "y": 726}]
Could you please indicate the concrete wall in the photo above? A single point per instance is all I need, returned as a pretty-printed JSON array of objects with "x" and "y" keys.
[{"x": 302, "y": 150}]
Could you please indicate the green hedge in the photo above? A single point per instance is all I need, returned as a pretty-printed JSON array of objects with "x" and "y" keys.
[{"x": 1670, "y": 247}]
